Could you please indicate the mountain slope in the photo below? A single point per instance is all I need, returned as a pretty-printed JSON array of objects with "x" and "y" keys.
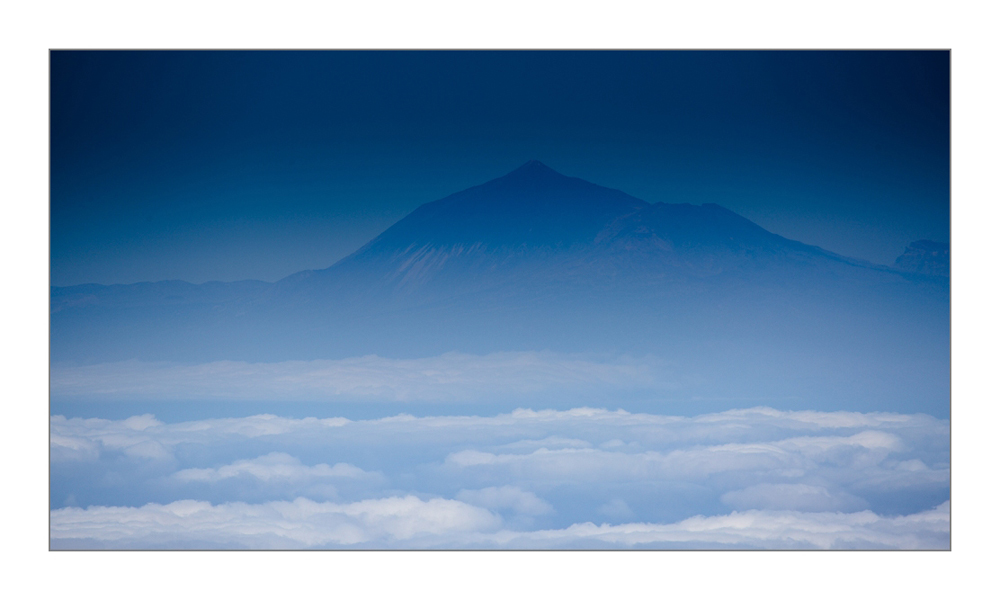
[
  {"x": 529, "y": 215},
  {"x": 539, "y": 226}
]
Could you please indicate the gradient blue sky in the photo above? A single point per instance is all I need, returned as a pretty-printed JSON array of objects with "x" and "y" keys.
[{"x": 236, "y": 165}]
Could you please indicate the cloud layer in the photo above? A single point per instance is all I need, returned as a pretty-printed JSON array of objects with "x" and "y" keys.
[
  {"x": 451, "y": 376},
  {"x": 575, "y": 478},
  {"x": 408, "y": 522}
]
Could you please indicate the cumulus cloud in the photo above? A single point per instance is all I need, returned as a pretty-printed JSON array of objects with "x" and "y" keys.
[
  {"x": 70, "y": 448},
  {"x": 451, "y": 376},
  {"x": 529, "y": 430},
  {"x": 788, "y": 458},
  {"x": 301, "y": 523},
  {"x": 757, "y": 529},
  {"x": 532, "y": 471},
  {"x": 412, "y": 522},
  {"x": 276, "y": 466}
]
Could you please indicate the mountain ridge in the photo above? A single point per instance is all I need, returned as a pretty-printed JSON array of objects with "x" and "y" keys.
[{"x": 536, "y": 211}]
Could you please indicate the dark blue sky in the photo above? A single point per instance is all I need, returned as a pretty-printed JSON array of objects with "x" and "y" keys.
[{"x": 235, "y": 165}]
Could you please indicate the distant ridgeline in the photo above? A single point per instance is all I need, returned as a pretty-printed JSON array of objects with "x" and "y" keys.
[
  {"x": 535, "y": 260},
  {"x": 927, "y": 258}
]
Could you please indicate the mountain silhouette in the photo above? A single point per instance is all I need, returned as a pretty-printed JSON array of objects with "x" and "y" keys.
[
  {"x": 927, "y": 258},
  {"x": 535, "y": 260},
  {"x": 535, "y": 224}
]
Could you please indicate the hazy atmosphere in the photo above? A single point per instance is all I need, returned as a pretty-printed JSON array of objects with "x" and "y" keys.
[{"x": 500, "y": 300}]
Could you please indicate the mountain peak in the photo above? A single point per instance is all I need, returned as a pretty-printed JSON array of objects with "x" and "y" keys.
[
  {"x": 532, "y": 206},
  {"x": 533, "y": 170},
  {"x": 534, "y": 164}
]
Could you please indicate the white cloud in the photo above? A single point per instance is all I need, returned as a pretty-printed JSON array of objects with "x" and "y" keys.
[
  {"x": 759, "y": 430},
  {"x": 538, "y": 469},
  {"x": 276, "y": 466},
  {"x": 69, "y": 448},
  {"x": 758, "y": 529},
  {"x": 81, "y": 439},
  {"x": 301, "y": 523},
  {"x": 451, "y": 376},
  {"x": 783, "y": 458},
  {"x": 412, "y": 522}
]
